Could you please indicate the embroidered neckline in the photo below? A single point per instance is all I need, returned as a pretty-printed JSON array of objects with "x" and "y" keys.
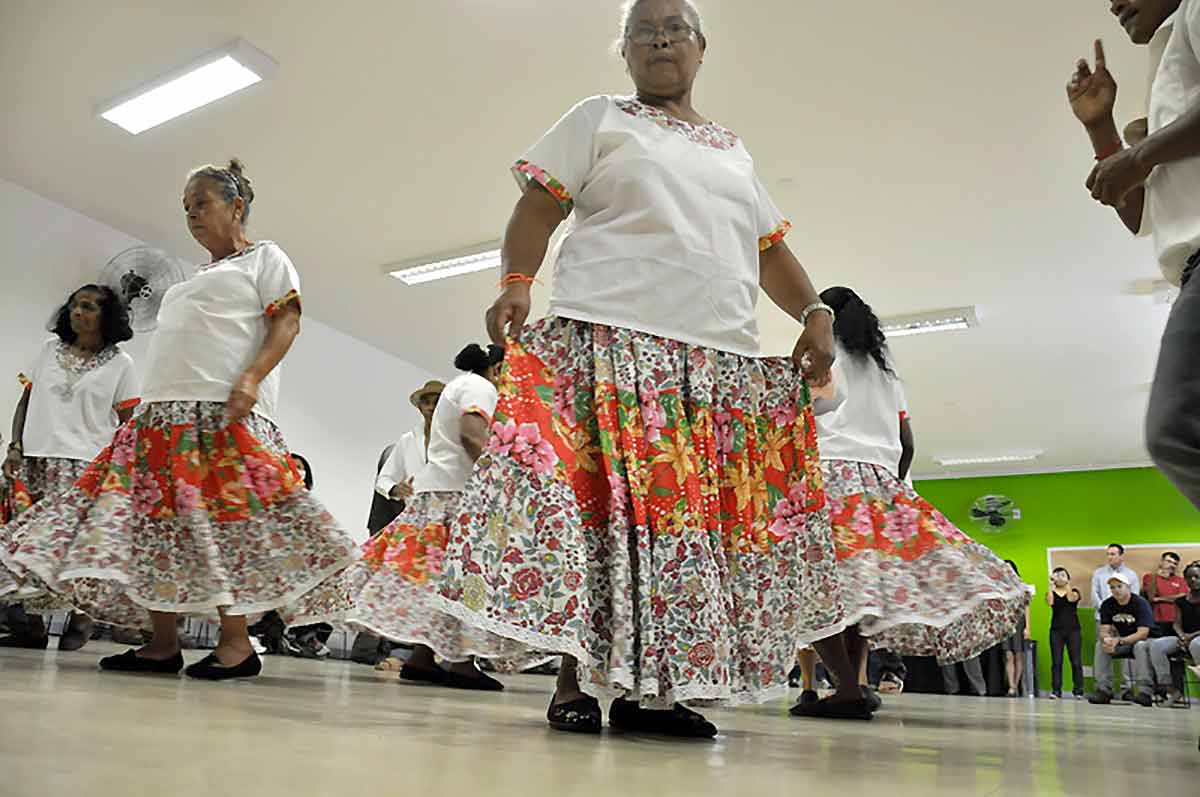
[
  {"x": 234, "y": 256},
  {"x": 76, "y": 367},
  {"x": 709, "y": 134}
]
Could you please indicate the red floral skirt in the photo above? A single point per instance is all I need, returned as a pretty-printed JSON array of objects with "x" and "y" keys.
[
  {"x": 650, "y": 507},
  {"x": 920, "y": 586},
  {"x": 181, "y": 513}
]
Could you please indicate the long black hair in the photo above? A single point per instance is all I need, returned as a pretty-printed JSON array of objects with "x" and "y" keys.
[
  {"x": 857, "y": 327},
  {"x": 308, "y": 474},
  {"x": 475, "y": 359},
  {"x": 114, "y": 318}
]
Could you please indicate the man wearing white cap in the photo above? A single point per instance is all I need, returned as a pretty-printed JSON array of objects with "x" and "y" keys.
[
  {"x": 409, "y": 455},
  {"x": 1125, "y": 620}
]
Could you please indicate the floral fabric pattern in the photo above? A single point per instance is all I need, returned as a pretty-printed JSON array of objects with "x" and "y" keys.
[
  {"x": 41, "y": 477},
  {"x": 184, "y": 513},
  {"x": 387, "y": 591},
  {"x": 775, "y": 236},
  {"x": 277, "y": 305},
  {"x": 526, "y": 170},
  {"x": 652, "y": 508},
  {"x": 921, "y": 586},
  {"x": 709, "y": 134}
]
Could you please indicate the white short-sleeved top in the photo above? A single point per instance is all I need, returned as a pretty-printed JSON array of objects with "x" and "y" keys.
[
  {"x": 1172, "y": 193},
  {"x": 211, "y": 328},
  {"x": 866, "y": 426},
  {"x": 449, "y": 465},
  {"x": 405, "y": 461},
  {"x": 73, "y": 402},
  {"x": 669, "y": 220}
]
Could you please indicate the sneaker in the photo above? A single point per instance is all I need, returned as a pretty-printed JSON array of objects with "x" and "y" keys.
[
  {"x": 1143, "y": 698},
  {"x": 795, "y": 678},
  {"x": 1055, "y": 696},
  {"x": 1101, "y": 697}
]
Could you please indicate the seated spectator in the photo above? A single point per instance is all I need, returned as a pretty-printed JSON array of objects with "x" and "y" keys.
[
  {"x": 1162, "y": 589},
  {"x": 1185, "y": 636},
  {"x": 1125, "y": 620}
]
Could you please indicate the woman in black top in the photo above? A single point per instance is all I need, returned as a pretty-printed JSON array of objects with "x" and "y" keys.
[{"x": 1063, "y": 600}]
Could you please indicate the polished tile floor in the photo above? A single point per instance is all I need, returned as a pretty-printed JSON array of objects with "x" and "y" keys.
[{"x": 313, "y": 728}]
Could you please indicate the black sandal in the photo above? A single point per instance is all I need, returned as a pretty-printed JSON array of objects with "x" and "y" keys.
[
  {"x": 578, "y": 716},
  {"x": 627, "y": 715},
  {"x": 480, "y": 683},
  {"x": 435, "y": 675},
  {"x": 24, "y": 641},
  {"x": 827, "y": 708},
  {"x": 210, "y": 668},
  {"x": 130, "y": 661}
]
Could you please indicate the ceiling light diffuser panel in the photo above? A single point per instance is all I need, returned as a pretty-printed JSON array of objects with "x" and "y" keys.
[
  {"x": 950, "y": 320},
  {"x": 432, "y": 269},
  {"x": 216, "y": 74}
]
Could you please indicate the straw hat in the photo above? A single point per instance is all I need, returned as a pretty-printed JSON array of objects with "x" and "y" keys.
[{"x": 433, "y": 387}]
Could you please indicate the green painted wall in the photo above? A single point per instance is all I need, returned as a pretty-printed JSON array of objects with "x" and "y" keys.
[{"x": 1131, "y": 506}]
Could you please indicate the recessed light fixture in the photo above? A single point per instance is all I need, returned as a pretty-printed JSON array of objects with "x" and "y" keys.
[
  {"x": 935, "y": 321},
  {"x": 999, "y": 459},
  {"x": 483, "y": 257},
  {"x": 215, "y": 75}
]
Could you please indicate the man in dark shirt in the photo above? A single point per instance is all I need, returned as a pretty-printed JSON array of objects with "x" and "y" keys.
[
  {"x": 1125, "y": 620},
  {"x": 1185, "y": 638}
]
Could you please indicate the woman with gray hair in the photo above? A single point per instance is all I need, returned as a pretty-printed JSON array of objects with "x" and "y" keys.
[
  {"x": 196, "y": 506},
  {"x": 650, "y": 505}
]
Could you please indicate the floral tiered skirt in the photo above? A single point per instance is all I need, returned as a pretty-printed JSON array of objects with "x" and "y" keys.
[
  {"x": 650, "y": 507},
  {"x": 917, "y": 584},
  {"x": 40, "y": 478},
  {"x": 183, "y": 512}
]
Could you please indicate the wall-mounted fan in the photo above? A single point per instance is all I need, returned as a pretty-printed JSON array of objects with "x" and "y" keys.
[
  {"x": 141, "y": 275},
  {"x": 992, "y": 513}
]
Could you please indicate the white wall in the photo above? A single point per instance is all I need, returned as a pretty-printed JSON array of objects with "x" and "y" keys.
[{"x": 341, "y": 401}]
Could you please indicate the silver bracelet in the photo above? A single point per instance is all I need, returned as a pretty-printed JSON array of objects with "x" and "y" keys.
[{"x": 814, "y": 307}]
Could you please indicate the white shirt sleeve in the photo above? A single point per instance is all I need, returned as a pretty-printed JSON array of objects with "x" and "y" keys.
[
  {"x": 772, "y": 224},
  {"x": 901, "y": 399},
  {"x": 562, "y": 159},
  {"x": 30, "y": 375},
  {"x": 1136, "y": 586},
  {"x": 392, "y": 472},
  {"x": 277, "y": 281},
  {"x": 478, "y": 397},
  {"x": 128, "y": 388}
]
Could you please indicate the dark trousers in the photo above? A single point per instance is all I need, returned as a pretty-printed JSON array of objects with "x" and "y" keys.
[
  {"x": 1072, "y": 641},
  {"x": 1173, "y": 416}
]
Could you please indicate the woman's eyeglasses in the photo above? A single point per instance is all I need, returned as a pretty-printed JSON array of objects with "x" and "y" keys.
[{"x": 675, "y": 33}]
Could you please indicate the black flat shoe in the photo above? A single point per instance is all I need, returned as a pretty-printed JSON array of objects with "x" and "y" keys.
[
  {"x": 77, "y": 633},
  {"x": 627, "y": 715},
  {"x": 210, "y": 668},
  {"x": 481, "y": 683},
  {"x": 578, "y": 716},
  {"x": 874, "y": 701},
  {"x": 808, "y": 697},
  {"x": 429, "y": 676},
  {"x": 24, "y": 641},
  {"x": 826, "y": 708},
  {"x": 130, "y": 661}
]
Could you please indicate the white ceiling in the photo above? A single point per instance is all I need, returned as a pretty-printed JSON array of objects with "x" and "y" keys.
[{"x": 923, "y": 149}]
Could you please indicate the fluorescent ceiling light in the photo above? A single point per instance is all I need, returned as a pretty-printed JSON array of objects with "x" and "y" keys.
[
  {"x": 215, "y": 75},
  {"x": 430, "y": 270},
  {"x": 936, "y": 321},
  {"x": 1000, "y": 459}
]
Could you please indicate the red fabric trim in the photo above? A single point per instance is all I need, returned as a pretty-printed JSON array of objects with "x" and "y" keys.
[
  {"x": 775, "y": 236},
  {"x": 128, "y": 404},
  {"x": 547, "y": 181},
  {"x": 275, "y": 307}
]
